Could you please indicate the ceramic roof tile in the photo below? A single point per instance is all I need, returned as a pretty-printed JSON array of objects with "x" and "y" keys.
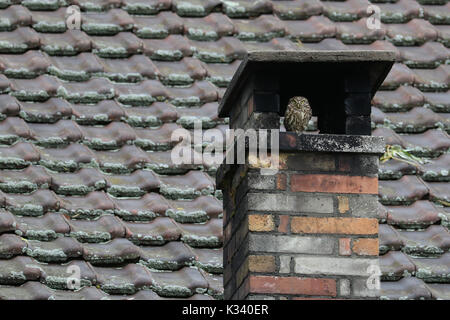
[
  {"x": 157, "y": 232},
  {"x": 15, "y": 16},
  {"x": 414, "y": 121},
  {"x": 36, "y": 203},
  {"x": 433, "y": 241},
  {"x": 296, "y": 9},
  {"x": 156, "y": 139},
  {"x": 114, "y": 252},
  {"x": 41, "y": 5},
  {"x": 18, "y": 156},
  {"x": 436, "y": 14},
  {"x": 60, "y": 133},
  {"x": 133, "y": 69},
  {"x": 44, "y": 228},
  {"x": 91, "y": 91},
  {"x": 401, "y": 99},
  {"x": 152, "y": 116},
  {"x": 401, "y": 11},
  {"x": 9, "y": 106},
  {"x": 109, "y": 137},
  {"x": 104, "y": 112},
  {"x": 433, "y": 269},
  {"x": 103, "y": 229},
  {"x": 209, "y": 28},
  {"x": 194, "y": 8},
  {"x": 181, "y": 283},
  {"x": 347, "y": 10},
  {"x": 225, "y": 50},
  {"x": 49, "y": 21},
  {"x": 439, "y": 192},
  {"x": 396, "y": 265},
  {"x": 207, "y": 235},
  {"x": 172, "y": 48},
  {"x": 10, "y": 276},
  {"x": 75, "y": 68},
  {"x": 439, "y": 291},
  {"x": 190, "y": 185},
  {"x": 12, "y": 129},
  {"x": 96, "y": 5},
  {"x": 78, "y": 183},
  {"x": 183, "y": 72},
  {"x": 5, "y": 84},
  {"x": 133, "y": 185},
  {"x": 11, "y": 245},
  {"x": 429, "y": 55},
  {"x": 40, "y": 89},
  {"x": 85, "y": 293},
  {"x": 29, "y": 65},
  {"x": 414, "y": 33},
  {"x": 314, "y": 29},
  {"x": 50, "y": 111},
  {"x": 245, "y": 8},
  {"x": 409, "y": 288},
  {"x": 431, "y": 143},
  {"x": 399, "y": 75},
  {"x": 443, "y": 34},
  {"x": 109, "y": 23},
  {"x": 394, "y": 169},
  {"x": 142, "y": 94},
  {"x": 403, "y": 191},
  {"x": 437, "y": 101},
  {"x": 7, "y": 221},
  {"x": 172, "y": 256},
  {"x": 69, "y": 158},
  {"x": 19, "y": 40},
  {"x": 28, "y": 291},
  {"x": 57, "y": 276},
  {"x": 358, "y": 33},
  {"x": 219, "y": 73},
  {"x": 68, "y": 43},
  {"x": 59, "y": 250},
  {"x": 125, "y": 160},
  {"x": 158, "y": 26},
  {"x": 145, "y": 6},
  {"x": 420, "y": 214},
  {"x": 121, "y": 45},
  {"x": 26, "y": 180},
  {"x": 207, "y": 114},
  {"x": 199, "y": 93},
  {"x": 436, "y": 169},
  {"x": 145, "y": 208},
  {"x": 262, "y": 28},
  {"x": 209, "y": 260},
  {"x": 92, "y": 205},
  {"x": 433, "y": 80}
]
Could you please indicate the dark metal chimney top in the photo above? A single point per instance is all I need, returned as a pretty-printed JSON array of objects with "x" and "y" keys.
[{"x": 338, "y": 84}]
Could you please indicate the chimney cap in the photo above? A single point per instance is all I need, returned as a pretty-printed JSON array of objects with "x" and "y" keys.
[{"x": 302, "y": 66}]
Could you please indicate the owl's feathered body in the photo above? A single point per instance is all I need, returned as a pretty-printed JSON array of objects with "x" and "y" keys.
[{"x": 298, "y": 113}]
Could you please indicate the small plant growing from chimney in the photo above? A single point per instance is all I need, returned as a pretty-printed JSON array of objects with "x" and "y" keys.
[{"x": 397, "y": 153}]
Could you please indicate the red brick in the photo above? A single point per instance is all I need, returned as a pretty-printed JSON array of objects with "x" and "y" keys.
[
  {"x": 281, "y": 181},
  {"x": 366, "y": 247},
  {"x": 344, "y": 247},
  {"x": 334, "y": 183},
  {"x": 293, "y": 285},
  {"x": 284, "y": 224},
  {"x": 260, "y": 222}
]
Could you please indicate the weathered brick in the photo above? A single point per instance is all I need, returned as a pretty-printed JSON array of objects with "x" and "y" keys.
[
  {"x": 291, "y": 244},
  {"x": 343, "y": 205},
  {"x": 363, "y": 205},
  {"x": 284, "y": 224},
  {"x": 365, "y": 247},
  {"x": 281, "y": 181},
  {"x": 344, "y": 287},
  {"x": 260, "y": 222},
  {"x": 334, "y": 183},
  {"x": 290, "y": 203},
  {"x": 257, "y": 181},
  {"x": 332, "y": 265},
  {"x": 285, "y": 264},
  {"x": 361, "y": 289},
  {"x": 308, "y": 161},
  {"x": 344, "y": 247},
  {"x": 261, "y": 263},
  {"x": 334, "y": 225},
  {"x": 293, "y": 285}
]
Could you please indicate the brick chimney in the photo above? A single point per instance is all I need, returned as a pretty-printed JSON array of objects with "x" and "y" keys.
[{"x": 309, "y": 230}]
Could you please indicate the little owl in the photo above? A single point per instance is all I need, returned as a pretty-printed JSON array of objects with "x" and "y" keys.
[{"x": 298, "y": 114}]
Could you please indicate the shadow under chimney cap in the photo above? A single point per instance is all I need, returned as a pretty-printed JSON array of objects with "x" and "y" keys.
[{"x": 302, "y": 66}]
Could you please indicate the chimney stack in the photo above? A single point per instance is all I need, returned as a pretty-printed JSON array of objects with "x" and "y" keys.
[{"x": 309, "y": 229}]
